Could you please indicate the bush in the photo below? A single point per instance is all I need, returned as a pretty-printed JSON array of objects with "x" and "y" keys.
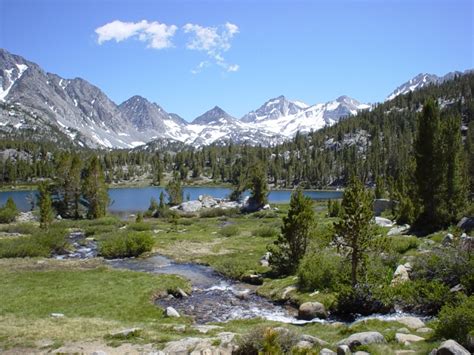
[
  {"x": 456, "y": 321},
  {"x": 8, "y": 212},
  {"x": 267, "y": 340},
  {"x": 319, "y": 271},
  {"x": 233, "y": 268},
  {"x": 126, "y": 244},
  {"x": 41, "y": 244},
  {"x": 359, "y": 300},
  {"x": 20, "y": 228},
  {"x": 421, "y": 296},
  {"x": 218, "y": 212},
  {"x": 265, "y": 232},
  {"x": 140, "y": 226},
  {"x": 229, "y": 231},
  {"x": 401, "y": 245}
]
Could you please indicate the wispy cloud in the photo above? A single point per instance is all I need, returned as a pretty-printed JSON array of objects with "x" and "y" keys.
[
  {"x": 156, "y": 35},
  {"x": 214, "y": 41}
]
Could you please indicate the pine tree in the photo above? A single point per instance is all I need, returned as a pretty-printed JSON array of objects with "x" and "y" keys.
[
  {"x": 174, "y": 191},
  {"x": 94, "y": 189},
  {"x": 75, "y": 186},
  {"x": 353, "y": 231},
  {"x": 298, "y": 227},
  {"x": 258, "y": 187},
  {"x": 45, "y": 205}
]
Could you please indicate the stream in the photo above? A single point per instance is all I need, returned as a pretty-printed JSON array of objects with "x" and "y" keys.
[{"x": 214, "y": 298}]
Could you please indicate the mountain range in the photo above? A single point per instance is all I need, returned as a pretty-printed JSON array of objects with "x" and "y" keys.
[{"x": 34, "y": 103}]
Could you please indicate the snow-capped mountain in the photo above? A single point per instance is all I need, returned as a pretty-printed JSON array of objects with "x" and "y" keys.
[
  {"x": 423, "y": 80},
  {"x": 32, "y": 100}
]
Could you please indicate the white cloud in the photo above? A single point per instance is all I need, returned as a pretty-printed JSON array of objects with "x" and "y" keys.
[
  {"x": 214, "y": 41},
  {"x": 156, "y": 35},
  {"x": 199, "y": 68}
]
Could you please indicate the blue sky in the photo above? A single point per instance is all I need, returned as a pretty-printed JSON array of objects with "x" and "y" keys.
[{"x": 249, "y": 51}]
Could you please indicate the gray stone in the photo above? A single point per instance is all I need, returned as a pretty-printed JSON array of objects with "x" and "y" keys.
[
  {"x": 451, "y": 347},
  {"x": 313, "y": 340},
  {"x": 343, "y": 350},
  {"x": 404, "y": 352},
  {"x": 179, "y": 328},
  {"x": 400, "y": 275},
  {"x": 403, "y": 330},
  {"x": 126, "y": 332},
  {"x": 266, "y": 207},
  {"x": 302, "y": 344},
  {"x": 381, "y": 205},
  {"x": 286, "y": 292},
  {"x": 447, "y": 240},
  {"x": 397, "y": 230},
  {"x": 466, "y": 243},
  {"x": 243, "y": 295},
  {"x": 411, "y": 322},
  {"x": 424, "y": 330},
  {"x": 171, "y": 312},
  {"x": 326, "y": 351},
  {"x": 208, "y": 201},
  {"x": 383, "y": 222},
  {"x": 187, "y": 345},
  {"x": 361, "y": 353},
  {"x": 311, "y": 310},
  {"x": 181, "y": 292},
  {"x": 204, "y": 329},
  {"x": 410, "y": 338},
  {"x": 466, "y": 224},
  {"x": 57, "y": 315},
  {"x": 363, "y": 338},
  {"x": 190, "y": 206}
]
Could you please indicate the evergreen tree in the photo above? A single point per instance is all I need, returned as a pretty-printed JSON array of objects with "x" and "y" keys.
[
  {"x": 75, "y": 185},
  {"x": 174, "y": 191},
  {"x": 45, "y": 205},
  {"x": 298, "y": 227},
  {"x": 379, "y": 187},
  {"x": 94, "y": 189},
  {"x": 258, "y": 187},
  {"x": 353, "y": 231}
]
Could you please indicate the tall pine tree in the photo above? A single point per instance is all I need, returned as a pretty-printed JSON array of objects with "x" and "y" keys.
[{"x": 94, "y": 189}]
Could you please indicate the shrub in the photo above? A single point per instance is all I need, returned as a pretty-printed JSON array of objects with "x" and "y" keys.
[
  {"x": 233, "y": 268},
  {"x": 421, "y": 296},
  {"x": 319, "y": 271},
  {"x": 229, "y": 231},
  {"x": 456, "y": 321},
  {"x": 8, "y": 212},
  {"x": 20, "y": 228},
  {"x": 126, "y": 244},
  {"x": 140, "y": 226},
  {"x": 401, "y": 244},
  {"x": 359, "y": 300},
  {"x": 265, "y": 214},
  {"x": 218, "y": 212},
  {"x": 40, "y": 244},
  {"x": 267, "y": 340},
  {"x": 265, "y": 232}
]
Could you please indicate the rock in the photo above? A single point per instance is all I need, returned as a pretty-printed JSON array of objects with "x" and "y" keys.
[
  {"x": 171, "y": 312},
  {"x": 264, "y": 263},
  {"x": 407, "y": 338},
  {"x": 58, "y": 217},
  {"x": 44, "y": 343},
  {"x": 125, "y": 333},
  {"x": 466, "y": 224},
  {"x": 381, "y": 205},
  {"x": 228, "y": 205},
  {"x": 326, "y": 351},
  {"x": 424, "y": 330},
  {"x": 99, "y": 352},
  {"x": 26, "y": 217},
  {"x": 313, "y": 340},
  {"x": 190, "y": 206},
  {"x": 447, "y": 240},
  {"x": 187, "y": 345},
  {"x": 400, "y": 275},
  {"x": 383, "y": 222},
  {"x": 343, "y": 350},
  {"x": 253, "y": 279},
  {"x": 403, "y": 330},
  {"x": 179, "y": 328},
  {"x": 302, "y": 344},
  {"x": 311, "y": 310},
  {"x": 181, "y": 292},
  {"x": 266, "y": 207},
  {"x": 226, "y": 338},
  {"x": 208, "y": 201},
  {"x": 204, "y": 329},
  {"x": 243, "y": 295},
  {"x": 265, "y": 259},
  {"x": 411, "y": 322},
  {"x": 363, "y": 338},
  {"x": 451, "y": 347},
  {"x": 361, "y": 353},
  {"x": 287, "y": 291},
  {"x": 404, "y": 352},
  {"x": 397, "y": 230},
  {"x": 57, "y": 315},
  {"x": 466, "y": 243}
]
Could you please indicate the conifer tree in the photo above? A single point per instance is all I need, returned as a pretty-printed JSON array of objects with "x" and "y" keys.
[
  {"x": 258, "y": 187},
  {"x": 353, "y": 231},
  {"x": 298, "y": 227},
  {"x": 45, "y": 205},
  {"x": 174, "y": 191},
  {"x": 94, "y": 189}
]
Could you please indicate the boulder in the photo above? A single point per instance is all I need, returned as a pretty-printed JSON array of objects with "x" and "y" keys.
[
  {"x": 181, "y": 293},
  {"x": 343, "y": 350},
  {"x": 266, "y": 207},
  {"x": 400, "y": 275},
  {"x": 313, "y": 340},
  {"x": 326, "y": 351},
  {"x": 311, "y": 310},
  {"x": 242, "y": 295},
  {"x": 125, "y": 333},
  {"x": 466, "y": 243},
  {"x": 253, "y": 279},
  {"x": 383, "y": 222},
  {"x": 424, "y": 330},
  {"x": 403, "y": 330},
  {"x": 204, "y": 329},
  {"x": 171, "y": 312},
  {"x": 57, "y": 315},
  {"x": 361, "y": 353},
  {"x": 191, "y": 206},
  {"x": 397, "y": 230},
  {"x": 207, "y": 201},
  {"x": 407, "y": 338},
  {"x": 363, "y": 338},
  {"x": 187, "y": 345},
  {"x": 404, "y": 352},
  {"x": 451, "y": 347},
  {"x": 411, "y": 322},
  {"x": 466, "y": 224},
  {"x": 228, "y": 205},
  {"x": 447, "y": 240},
  {"x": 302, "y": 344},
  {"x": 286, "y": 292}
]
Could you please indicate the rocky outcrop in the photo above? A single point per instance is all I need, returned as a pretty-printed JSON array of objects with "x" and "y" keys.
[
  {"x": 311, "y": 310},
  {"x": 171, "y": 312},
  {"x": 450, "y": 347},
  {"x": 406, "y": 339},
  {"x": 466, "y": 224},
  {"x": 401, "y": 275},
  {"x": 363, "y": 338},
  {"x": 411, "y": 322}
]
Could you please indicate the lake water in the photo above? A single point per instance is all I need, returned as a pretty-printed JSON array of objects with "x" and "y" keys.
[{"x": 136, "y": 199}]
